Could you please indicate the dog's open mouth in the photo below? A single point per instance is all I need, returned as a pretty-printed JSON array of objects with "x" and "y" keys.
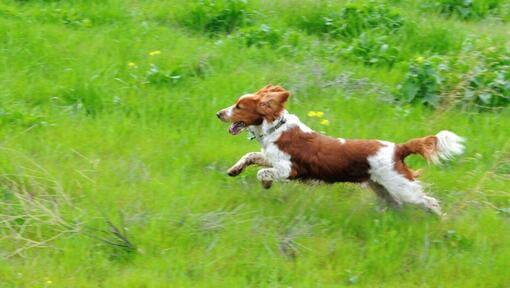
[{"x": 236, "y": 127}]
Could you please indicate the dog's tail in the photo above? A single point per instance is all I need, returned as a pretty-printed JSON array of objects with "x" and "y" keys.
[{"x": 442, "y": 146}]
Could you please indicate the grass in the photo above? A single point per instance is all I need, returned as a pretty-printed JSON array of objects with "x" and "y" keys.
[{"x": 95, "y": 152}]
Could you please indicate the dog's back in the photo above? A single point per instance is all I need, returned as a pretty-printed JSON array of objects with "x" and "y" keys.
[{"x": 320, "y": 157}]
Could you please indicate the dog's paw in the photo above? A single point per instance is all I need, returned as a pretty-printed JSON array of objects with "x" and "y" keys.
[
  {"x": 266, "y": 184},
  {"x": 234, "y": 171}
]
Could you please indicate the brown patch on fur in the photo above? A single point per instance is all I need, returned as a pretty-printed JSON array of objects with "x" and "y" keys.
[
  {"x": 425, "y": 146},
  {"x": 402, "y": 168},
  {"x": 272, "y": 103},
  {"x": 245, "y": 110},
  {"x": 267, "y": 103},
  {"x": 316, "y": 156}
]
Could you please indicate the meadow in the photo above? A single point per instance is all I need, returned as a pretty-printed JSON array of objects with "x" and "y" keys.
[{"x": 113, "y": 164}]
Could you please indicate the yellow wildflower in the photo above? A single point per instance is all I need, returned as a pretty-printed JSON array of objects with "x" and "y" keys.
[
  {"x": 419, "y": 59},
  {"x": 132, "y": 65},
  {"x": 154, "y": 53},
  {"x": 318, "y": 114},
  {"x": 49, "y": 281},
  {"x": 325, "y": 122}
]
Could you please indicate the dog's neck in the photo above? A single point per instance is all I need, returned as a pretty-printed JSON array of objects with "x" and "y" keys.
[{"x": 270, "y": 131}]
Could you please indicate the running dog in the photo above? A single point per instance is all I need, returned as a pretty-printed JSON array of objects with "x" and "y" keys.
[{"x": 293, "y": 151}]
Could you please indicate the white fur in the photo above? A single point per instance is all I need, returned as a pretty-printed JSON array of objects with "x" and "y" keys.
[
  {"x": 449, "y": 145},
  {"x": 382, "y": 171},
  {"x": 229, "y": 111},
  {"x": 247, "y": 160},
  {"x": 291, "y": 121},
  {"x": 246, "y": 96},
  {"x": 279, "y": 160},
  {"x": 342, "y": 140}
]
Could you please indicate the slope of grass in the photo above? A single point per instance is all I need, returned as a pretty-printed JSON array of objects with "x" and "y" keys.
[{"x": 113, "y": 162}]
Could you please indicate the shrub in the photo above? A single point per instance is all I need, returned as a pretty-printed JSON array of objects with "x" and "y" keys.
[
  {"x": 371, "y": 50},
  {"x": 488, "y": 84},
  {"x": 474, "y": 79},
  {"x": 422, "y": 82},
  {"x": 468, "y": 9},
  {"x": 260, "y": 36},
  {"x": 217, "y": 16},
  {"x": 352, "y": 20}
]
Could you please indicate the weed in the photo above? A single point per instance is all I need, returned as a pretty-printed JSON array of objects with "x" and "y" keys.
[
  {"x": 353, "y": 20},
  {"x": 71, "y": 18},
  {"x": 371, "y": 50},
  {"x": 474, "y": 79},
  {"x": 215, "y": 221},
  {"x": 419, "y": 39},
  {"x": 261, "y": 36},
  {"x": 82, "y": 98},
  {"x": 33, "y": 216},
  {"x": 217, "y": 16},
  {"x": 172, "y": 76},
  {"x": 423, "y": 82},
  {"x": 288, "y": 244},
  {"x": 163, "y": 77},
  {"x": 488, "y": 84},
  {"x": 16, "y": 117},
  {"x": 468, "y": 9}
]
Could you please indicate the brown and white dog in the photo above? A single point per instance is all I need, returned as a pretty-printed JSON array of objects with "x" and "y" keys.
[{"x": 291, "y": 150}]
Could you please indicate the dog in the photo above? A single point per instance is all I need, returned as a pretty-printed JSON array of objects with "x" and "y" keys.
[{"x": 293, "y": 151}]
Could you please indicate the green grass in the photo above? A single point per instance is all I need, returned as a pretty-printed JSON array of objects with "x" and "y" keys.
[{"x": 87, "y": 138}]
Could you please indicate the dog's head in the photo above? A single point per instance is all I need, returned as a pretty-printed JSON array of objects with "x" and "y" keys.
[{"x": 252, "y": 109}]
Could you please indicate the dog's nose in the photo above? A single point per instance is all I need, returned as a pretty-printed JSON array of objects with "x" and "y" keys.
[{"x": 218, "y": 114}]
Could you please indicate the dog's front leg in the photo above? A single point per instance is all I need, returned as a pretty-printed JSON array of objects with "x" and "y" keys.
[
  {"x": 268, "y": 175},
  {"x": 252, "y": 158}
]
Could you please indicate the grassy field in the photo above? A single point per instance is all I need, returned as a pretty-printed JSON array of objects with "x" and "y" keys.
[{"x": 113, "y": 164}]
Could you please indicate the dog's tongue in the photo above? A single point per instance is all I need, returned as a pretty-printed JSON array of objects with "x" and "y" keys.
[{"x": 236, "y": 128}]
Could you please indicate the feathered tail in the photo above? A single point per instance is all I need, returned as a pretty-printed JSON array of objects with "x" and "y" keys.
[{"x": 435, "y": 148}]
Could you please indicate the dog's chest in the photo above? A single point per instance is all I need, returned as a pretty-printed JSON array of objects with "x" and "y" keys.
[{"x": 275, "y": 156}]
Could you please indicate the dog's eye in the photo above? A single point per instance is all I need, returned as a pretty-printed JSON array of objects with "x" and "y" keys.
[{"x": 238, "y": 107}]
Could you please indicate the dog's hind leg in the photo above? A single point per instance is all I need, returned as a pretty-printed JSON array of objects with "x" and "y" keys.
[
  {"x": 399, "y": 182},
  {"x": 252, "y": 158},
  {"x": 409, "y": 191},
  {"x": 383, "y": 194}
]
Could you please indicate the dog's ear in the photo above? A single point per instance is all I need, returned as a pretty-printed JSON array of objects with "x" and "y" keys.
[
  {"x": 272, "y": 102},
  {"x": 267, "y": 87},
  {"x": 277, "y": 89},
  {"x": 270, "y": 88}
]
